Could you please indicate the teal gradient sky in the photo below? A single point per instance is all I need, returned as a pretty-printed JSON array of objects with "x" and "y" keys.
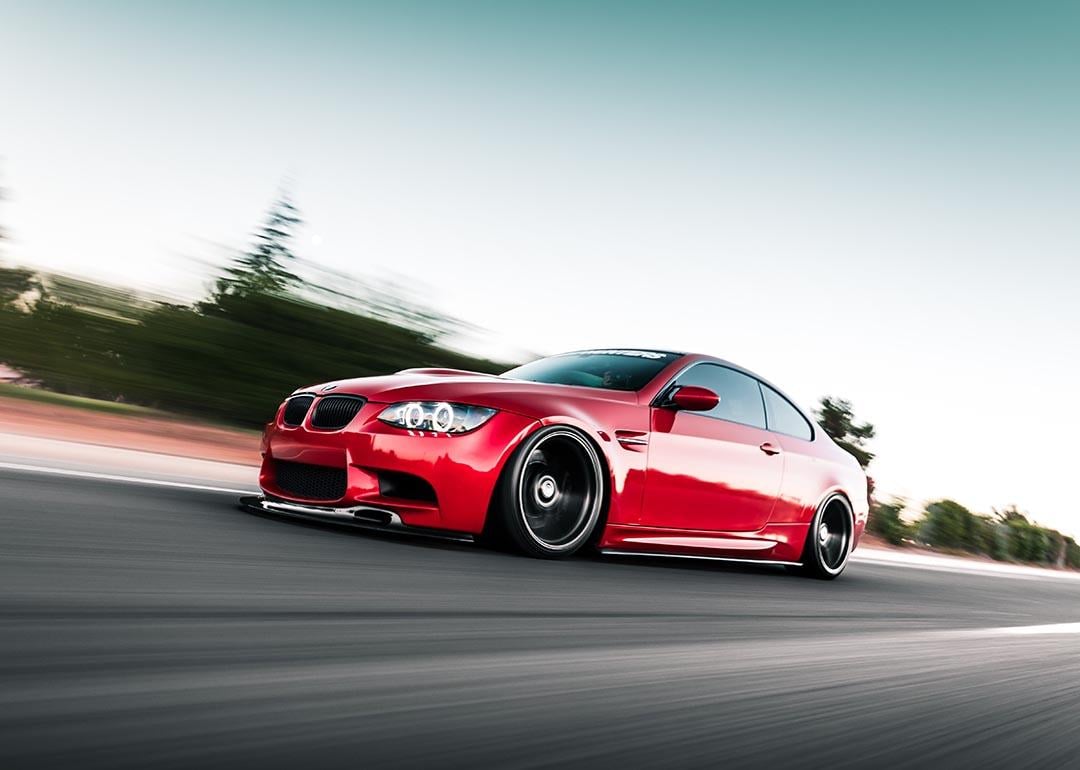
[{"x": 877, "y": 202}]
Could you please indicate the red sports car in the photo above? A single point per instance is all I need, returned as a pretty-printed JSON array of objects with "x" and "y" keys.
[{"x": 633, "y": 452}]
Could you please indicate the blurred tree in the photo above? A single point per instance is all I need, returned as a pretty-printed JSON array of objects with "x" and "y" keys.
[
  {"x": 999, "y": 543},
  {"x": 262, "y": 270},
  {"x": 836, "y": 418},
  {"x": 387, "y": 300},
  {"x": 885, "y": 520},
  {"x": 14, "y": 282},
  {"x": 947, "y": 524},
  {"x": 1010, "y": 513},
  {"x": 1072, "y": 553},
  {"x": 1030, "y": 542},
  {"x": 1060, "y": 548},
  {"x": 1008, "y": 534}
]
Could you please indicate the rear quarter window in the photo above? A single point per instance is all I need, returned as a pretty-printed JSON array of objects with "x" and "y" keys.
[{"x": 783, "y": 417}]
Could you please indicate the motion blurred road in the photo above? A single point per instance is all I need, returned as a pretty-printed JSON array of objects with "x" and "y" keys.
[{"x": 144, "y": 625}]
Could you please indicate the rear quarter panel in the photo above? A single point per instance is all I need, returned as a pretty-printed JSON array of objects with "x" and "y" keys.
[{"x": 813, "y": 470}]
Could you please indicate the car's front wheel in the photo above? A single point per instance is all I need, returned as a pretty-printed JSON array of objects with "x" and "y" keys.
[{"x": 552, "y": 493}]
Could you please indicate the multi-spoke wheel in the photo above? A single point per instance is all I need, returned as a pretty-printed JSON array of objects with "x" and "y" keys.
[
  {"x": 552, "y": 493},
  {"x": 828, "y": 543}
]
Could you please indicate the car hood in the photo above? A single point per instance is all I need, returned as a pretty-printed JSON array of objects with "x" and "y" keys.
[{"x": 533, "y": 399}]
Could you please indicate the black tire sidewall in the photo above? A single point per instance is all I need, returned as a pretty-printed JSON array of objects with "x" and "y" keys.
[
  {"x": 508, "y": 509},
  {"x": 812, "y": 565}
]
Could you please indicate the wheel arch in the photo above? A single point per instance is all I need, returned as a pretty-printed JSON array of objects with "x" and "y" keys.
[
  {"x": 595, "y": 438},
  {"x": 825, "y": 501},
  {"x": 836, "y": 491}
]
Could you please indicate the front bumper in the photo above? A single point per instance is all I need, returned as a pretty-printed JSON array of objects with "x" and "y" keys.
[{"x": 460, "y": 472}]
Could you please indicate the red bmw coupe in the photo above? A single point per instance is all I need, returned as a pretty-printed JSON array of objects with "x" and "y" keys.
[{"x": 633, "y": 452}]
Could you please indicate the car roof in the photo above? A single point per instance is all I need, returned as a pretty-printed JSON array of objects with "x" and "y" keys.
[{"x": 600, "y": 351}]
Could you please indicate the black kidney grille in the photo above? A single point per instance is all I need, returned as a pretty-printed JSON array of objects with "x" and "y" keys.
[
  {"x": 295, "y": 409},
  {"x": 312, "y": 482},
  {"x": 333, "y": 412}
]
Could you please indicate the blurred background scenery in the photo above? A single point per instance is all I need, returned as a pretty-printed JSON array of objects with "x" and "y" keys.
[{"x": 205, "y": 207}]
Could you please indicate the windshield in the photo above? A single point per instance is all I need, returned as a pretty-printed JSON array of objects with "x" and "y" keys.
[{"x": 611, "y": 369}]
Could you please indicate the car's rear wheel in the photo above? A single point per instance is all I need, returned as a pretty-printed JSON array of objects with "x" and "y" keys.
[
  {"x": 551, "y": 495},
  {"x": 829, "y": 540}
]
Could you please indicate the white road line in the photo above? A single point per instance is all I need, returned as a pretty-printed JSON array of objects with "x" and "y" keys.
[
  {"x": 125, "y": 479},
  {"x": 1049, "y": 628}
]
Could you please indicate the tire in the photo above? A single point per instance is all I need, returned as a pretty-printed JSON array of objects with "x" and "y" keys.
[
  {"x": 828, "y": 541},
  {"x": 551, "y": 495}
]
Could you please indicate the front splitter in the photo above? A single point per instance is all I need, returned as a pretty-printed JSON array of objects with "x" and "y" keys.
[{"x": 367, "y": 517}]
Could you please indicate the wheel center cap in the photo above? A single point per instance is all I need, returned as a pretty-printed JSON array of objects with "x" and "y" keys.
[
  {"x": 546, "y": 490},
  {"x": 823, "y": 533}
]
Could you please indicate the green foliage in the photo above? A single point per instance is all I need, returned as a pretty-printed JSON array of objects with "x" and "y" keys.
[
  {"x": 62, "y": 399},
  {"x": 948, "y": 524},
  {"x": 1008, "y": 535},
  {"x": 885, "y": 520},
  {"x": 1010, "y": 513},
  {"x": 1028, "y": 542},
  {"x": 233, "y": 365},
  {"x": 836, "y": 418},
  {"x": 1072, "y": 553},
  {"x": 14, "y": 283},
  {"x": 996, "y": 540}
]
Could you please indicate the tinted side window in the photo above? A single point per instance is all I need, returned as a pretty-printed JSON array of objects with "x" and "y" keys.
[
  {"x": 740, "y": 397},
  {"x": 783, "y": 417}
]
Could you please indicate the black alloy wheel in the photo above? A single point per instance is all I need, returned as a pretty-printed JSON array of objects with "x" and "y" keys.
[
  {"x": 552, "y": 493},
  {"x": 829, "y": 540}
]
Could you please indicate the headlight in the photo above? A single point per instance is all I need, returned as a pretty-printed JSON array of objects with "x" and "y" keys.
[{"x": 437, "y": 417}]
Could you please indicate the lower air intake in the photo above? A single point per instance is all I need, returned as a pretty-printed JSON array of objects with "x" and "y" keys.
[{"x": 311, "y": 482}]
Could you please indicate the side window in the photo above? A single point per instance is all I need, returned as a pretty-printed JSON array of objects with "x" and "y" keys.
[
  {"x": 783, "y": 417},
  {"x": 740, "y": 396}
]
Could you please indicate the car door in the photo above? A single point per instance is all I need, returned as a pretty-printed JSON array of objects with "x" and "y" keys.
[{"x": 718, "y": 470}]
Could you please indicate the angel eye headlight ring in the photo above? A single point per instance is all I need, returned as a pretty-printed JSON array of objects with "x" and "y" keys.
[
  {"x": 438, "y": 417},
  {"x": 442, "y": 418},
  {"x": 413, "y": 415}
]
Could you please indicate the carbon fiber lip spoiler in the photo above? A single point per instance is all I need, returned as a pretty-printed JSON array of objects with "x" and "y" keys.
[{"x": 360, "y": 516}]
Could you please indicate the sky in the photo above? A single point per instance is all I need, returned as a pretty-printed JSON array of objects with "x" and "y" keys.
[{"x": 878, "y": 202}]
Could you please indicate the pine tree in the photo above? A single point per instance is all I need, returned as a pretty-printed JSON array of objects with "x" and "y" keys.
[{"x": 263, "y": 269}]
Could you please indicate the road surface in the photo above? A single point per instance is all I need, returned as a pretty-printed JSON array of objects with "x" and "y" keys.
[{"x": 154, "y": 626}]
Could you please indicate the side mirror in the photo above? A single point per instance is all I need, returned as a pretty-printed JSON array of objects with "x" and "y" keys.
[{"x": 693, "y": 398}]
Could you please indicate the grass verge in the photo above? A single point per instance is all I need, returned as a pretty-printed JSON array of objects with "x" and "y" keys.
[{"x": 8, "y": 390}]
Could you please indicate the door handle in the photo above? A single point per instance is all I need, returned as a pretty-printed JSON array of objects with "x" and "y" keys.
[{"x": 769, "y": 448}]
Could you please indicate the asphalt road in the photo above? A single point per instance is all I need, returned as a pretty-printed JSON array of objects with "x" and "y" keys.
[{"x": 142, "y": 626}]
